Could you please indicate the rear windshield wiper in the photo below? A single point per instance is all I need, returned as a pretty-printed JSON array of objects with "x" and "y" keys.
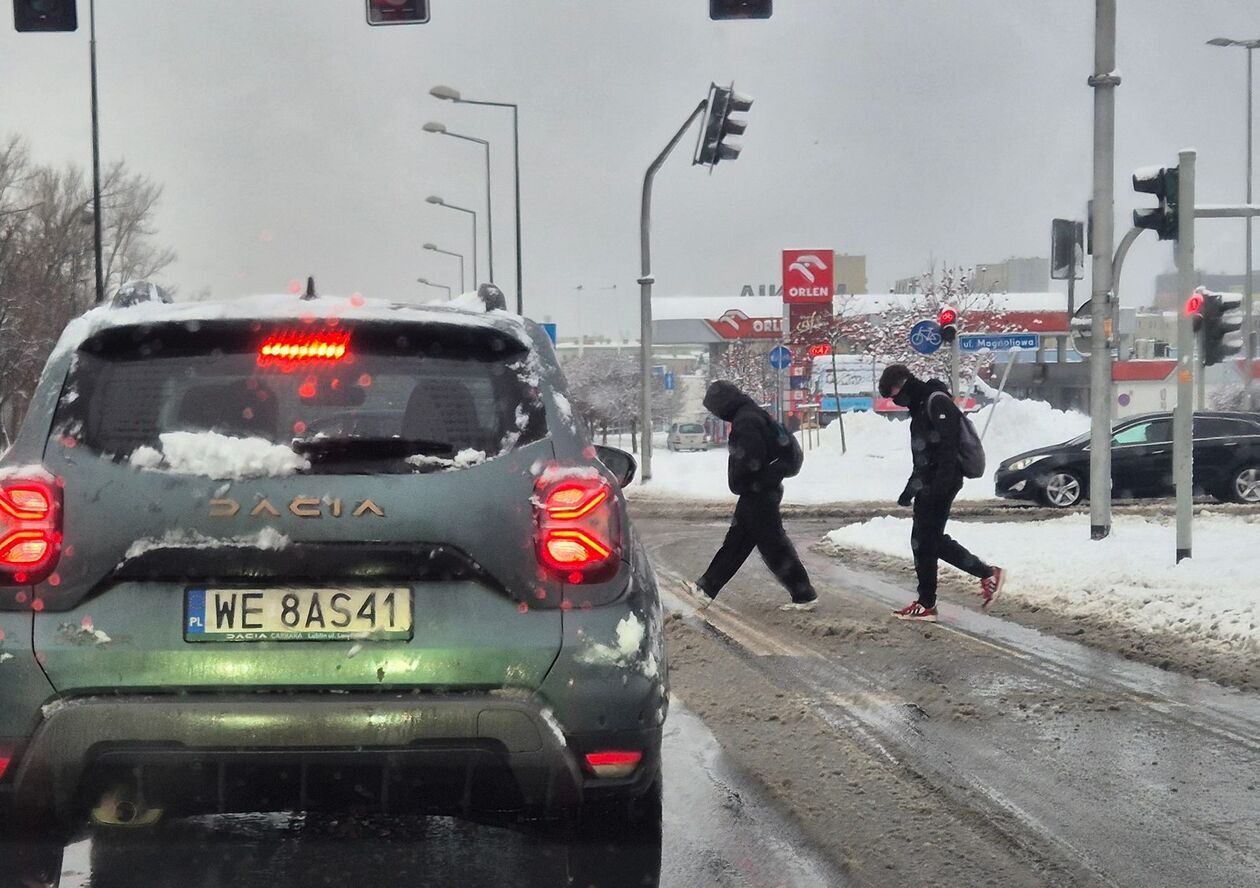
[{"x": 355, "y": 448}]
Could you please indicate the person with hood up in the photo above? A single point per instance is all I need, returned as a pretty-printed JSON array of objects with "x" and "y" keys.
[
  {"x": 756, "y": 477},
  {"x": 935, "y": 436}
]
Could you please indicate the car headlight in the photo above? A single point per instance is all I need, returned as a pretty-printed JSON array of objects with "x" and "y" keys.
[{"x": 1021, "y": 464}]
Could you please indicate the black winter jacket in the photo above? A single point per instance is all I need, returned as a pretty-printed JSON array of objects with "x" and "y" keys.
[
  {"x": 748, "y": 469},
  {"x": 935, "y": 433}
]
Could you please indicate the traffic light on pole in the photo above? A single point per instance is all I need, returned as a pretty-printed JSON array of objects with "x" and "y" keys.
[
  {"x": 948, "y": 321},
  {"x": 45, "y": 15},
  {"x": 1161, "y": 182},
  {"x": 740, "y": 9},
  {"x": 713, "y": 146},
  {"x": 397, "y": 12},
  {"x": 1194, "y": 310},
  {"x": 1222, "y": 321}
]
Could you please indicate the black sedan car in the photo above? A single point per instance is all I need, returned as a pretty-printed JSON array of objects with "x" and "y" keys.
[{"x": 1226, "y": 462}]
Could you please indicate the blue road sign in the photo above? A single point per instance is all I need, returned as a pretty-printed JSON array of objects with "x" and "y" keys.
[
  {"x": 978, "y": 342},
  {"x": 780, "y": 357},
  {"x": 925, "y": 337},
  {"x": 669, "y": 382},
  {"x": 551, "y": 332}
]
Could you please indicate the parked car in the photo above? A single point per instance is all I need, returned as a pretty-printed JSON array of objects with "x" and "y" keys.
[
  {"x": 296, "y": 554},
  {"x": 687, "y": 436},
  {"x": 1226, "y": 462}
]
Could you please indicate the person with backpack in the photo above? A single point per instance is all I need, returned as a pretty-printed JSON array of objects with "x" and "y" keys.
[
  {"x": 762, "y": 454},
  {"x": 946, "y": 450}
]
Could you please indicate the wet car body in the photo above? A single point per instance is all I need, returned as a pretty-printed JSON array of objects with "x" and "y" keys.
[
  {"x": 1226, "y": 462},
  {"x": 476, "y": 627}
]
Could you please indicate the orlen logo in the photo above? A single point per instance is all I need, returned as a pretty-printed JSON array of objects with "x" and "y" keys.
[
  {"x": 807, "y": 276},
  {"x": 734, "y": 324}
]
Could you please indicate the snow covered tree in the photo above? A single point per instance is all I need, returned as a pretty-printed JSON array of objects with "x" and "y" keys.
[
  {"x": 747, "y": 366},
  {"x": 604, "y": 389}
]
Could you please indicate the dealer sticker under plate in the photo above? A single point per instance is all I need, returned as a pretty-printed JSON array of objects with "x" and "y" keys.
[{"x": 297, "y": 614}]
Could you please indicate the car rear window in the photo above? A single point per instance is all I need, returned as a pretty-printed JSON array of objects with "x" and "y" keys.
[
  {"x": 452, "y": 391},
  {"x": 691, "y": 429}
]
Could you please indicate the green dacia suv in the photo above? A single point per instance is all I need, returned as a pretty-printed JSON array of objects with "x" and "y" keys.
[{"x": 301, "y": 553}]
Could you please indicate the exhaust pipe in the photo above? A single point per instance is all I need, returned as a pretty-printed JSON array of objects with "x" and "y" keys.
[{"x": 122, "y": 806}]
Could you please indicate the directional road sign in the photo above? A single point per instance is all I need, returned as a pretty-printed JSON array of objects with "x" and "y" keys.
[
  {"x": 780, "y": 357},
  {"x": 978, "y": 342}
]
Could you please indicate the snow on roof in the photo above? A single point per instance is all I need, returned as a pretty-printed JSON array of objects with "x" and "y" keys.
[
  {"x": 279, "y": 307},
  {"x": 680, "y": 308}
]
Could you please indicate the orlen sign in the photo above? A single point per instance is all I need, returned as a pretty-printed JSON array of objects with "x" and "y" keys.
[
  {"x": 734, "y": 324},
  {"x": 808, "y": 276}
]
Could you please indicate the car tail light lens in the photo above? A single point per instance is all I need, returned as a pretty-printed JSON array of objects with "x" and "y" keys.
[
  {"x": 614, "y": 763},
  {"x": 297, "y": 347},
  {"x": 30, "y": 531},
  {"x": 578, "y": 529}
]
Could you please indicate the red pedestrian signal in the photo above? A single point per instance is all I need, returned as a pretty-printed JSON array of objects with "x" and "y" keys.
[
  {"x": 948, "y": 321},
  {"x": 1194, "y": 305}
]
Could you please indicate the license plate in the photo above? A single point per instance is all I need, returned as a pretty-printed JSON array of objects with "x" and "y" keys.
[{"x": 296, "y": 614}]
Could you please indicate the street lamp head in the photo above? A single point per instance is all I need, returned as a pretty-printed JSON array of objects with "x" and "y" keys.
[
  {"x": 434, "y": 199},
  {"x": 430, "y": 246},
  {"x": 423, "y": 281},
  {"x": 434, "y": 127},
  {"x": 1221, "y": 41},
  {"x": 445, "y": 93}
]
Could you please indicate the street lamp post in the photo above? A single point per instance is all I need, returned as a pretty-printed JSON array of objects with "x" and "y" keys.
[
  {"x": 460, "y": 256},
  {"x": 96, "y": 162},
  {"x": 432, "y": 127},
  {"x": 429, "y": 283},
  {"x": 1248, "y": 310},
  {"x": 452, "y": 95},
  {"x": 439, "y": 202}
]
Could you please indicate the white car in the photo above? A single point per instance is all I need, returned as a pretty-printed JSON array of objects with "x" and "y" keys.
[{"x": 687, "y": 436}]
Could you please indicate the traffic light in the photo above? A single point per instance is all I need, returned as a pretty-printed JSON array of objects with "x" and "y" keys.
[
  {"x": 719, "y": 125},
  {"x": 948, "y": 321},
  {"x": 1161, "y": 182},
  {"x": 1194, "y": 310},
  {"x": 397, "y": 12},
  {"x": 740, "y": 9},
  {"x": 1222, "y": 319},
  {"x": 45, "y": 15}
]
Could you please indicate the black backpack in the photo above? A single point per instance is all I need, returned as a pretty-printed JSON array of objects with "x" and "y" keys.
[{"x": 786, "y": 455}]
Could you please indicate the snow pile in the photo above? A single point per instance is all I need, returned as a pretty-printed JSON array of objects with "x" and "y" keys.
[
  {"x": 267, "y": 538},
  {"x": 878, "y": 462},
  {"x": 1130, "y": 578},
  {"x": 219, "y": 456},
  {"x": 462, "y": 460}
]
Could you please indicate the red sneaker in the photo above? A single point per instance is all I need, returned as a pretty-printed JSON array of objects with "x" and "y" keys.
[
  {"x": 916, "y": 611},
  {"x": 990, "y": 586}
]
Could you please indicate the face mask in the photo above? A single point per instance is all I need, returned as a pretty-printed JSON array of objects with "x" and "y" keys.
[{"x": 902, "y": 398}]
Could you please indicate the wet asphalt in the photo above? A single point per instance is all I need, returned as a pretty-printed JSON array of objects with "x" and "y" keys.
[{"x": 717, "y": 831}]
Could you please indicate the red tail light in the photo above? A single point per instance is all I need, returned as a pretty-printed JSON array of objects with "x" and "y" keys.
[
  {"x": 5, "y": 759},
  {"x": 296, "y": 347},
  {"x": 578, "y": 530},
  {"x": 30, "y": 531},
  {"x": 613, "y": 763}
]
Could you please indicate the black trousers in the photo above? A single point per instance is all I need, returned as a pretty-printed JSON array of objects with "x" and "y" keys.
[
  {"x": 930, "y": 543},
  {"x": 758, "y": 525}
]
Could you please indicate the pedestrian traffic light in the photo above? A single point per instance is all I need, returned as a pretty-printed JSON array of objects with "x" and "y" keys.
[
  {"x": 45, "y": 15},
  {"x": 740, "y": 9},
  {"x": 1194, "y": 310},
  {"x": 719, "y": 125},
  {"x": 1222, "y": 319},
  {"x": 1161, "y": 182},
  {"x": 397, "y": 12},
  {"x": 948, "y": 321}
]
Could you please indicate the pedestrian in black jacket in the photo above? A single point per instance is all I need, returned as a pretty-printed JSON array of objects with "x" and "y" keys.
[
  {"x": 935, "y": 435},
  {"x": 753, "y": 475}
]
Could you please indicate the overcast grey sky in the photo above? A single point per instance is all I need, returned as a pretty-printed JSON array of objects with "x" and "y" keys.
[{"x": 288, "y": 134}]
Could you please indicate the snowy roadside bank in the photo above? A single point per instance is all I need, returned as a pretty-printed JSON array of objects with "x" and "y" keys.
[
  {"x": 877, "y": 463},
  {"x": 1128, "y": 581}
]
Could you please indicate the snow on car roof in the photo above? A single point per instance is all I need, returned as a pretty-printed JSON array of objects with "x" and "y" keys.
[{"x": 280, "y": 307}]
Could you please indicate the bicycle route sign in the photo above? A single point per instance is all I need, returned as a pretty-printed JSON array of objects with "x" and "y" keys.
[{"x": 925, "y": 337}]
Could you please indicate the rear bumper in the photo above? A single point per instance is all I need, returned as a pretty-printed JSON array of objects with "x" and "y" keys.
[{"x": 206, "y": 753}]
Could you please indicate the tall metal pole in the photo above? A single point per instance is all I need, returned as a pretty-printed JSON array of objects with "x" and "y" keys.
[
  {"x": 955, "y": 374},
  {"x": 97, "y": 239},
  {"x": 835, "y": 391},
  {"x": 1249, "y": 310},
  {"x": 516, "y": 159},
  {"x": 1104, "y": 82},
  {"x": 489, "y": 217},
  {"x": 1183, "y": 415},
  {"x": 645, "y": 296}
]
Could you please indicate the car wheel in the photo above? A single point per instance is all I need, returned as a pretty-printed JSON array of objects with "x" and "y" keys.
[
  {"x": 1062, "y": 489},
  {"x": 1244, "y": 485}
]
